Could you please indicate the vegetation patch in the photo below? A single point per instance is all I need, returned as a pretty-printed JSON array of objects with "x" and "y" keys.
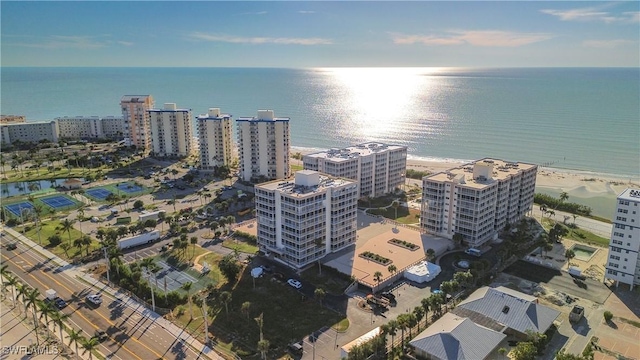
[
  {"x": 404, "y": 244},
  {"x": 375, "y": 257},
  {"x": 416, "y": 174}
]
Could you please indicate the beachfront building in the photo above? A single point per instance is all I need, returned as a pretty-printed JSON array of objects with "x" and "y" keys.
[
  {"x": 31, "y": 132},
  {"x": 135, "y": 117},
  {"x": 5, "y": 119},
  {"x": 623, "y": 264},
  {"x": 263, "y": 146},
  {"x": 477, "y": 200},
  {"x": 302, "y": 220},
  {"x": 90, "y": 127},
  {"x": 215, "y": 139},
  {"x": 171, "y": 133},
  {"x": 378, "y": 168}
]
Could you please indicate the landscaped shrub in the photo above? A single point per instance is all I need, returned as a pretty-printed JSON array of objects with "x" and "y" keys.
[
  {"x": 404, "y": 244},
  {"x": 608, "y": 315},
  {"x": 375, "y": 257}
]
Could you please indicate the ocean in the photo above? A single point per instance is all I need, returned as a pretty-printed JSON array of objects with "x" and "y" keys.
[{"x": 585, "y": 119}]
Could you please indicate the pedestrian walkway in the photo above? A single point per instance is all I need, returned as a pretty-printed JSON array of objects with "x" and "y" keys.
[{"x": 73, "y": 271}]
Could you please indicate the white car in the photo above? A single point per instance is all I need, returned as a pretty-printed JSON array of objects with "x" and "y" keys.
[
  {"x": 294, "y": 283},
  {"x": 95, "y": 299}
]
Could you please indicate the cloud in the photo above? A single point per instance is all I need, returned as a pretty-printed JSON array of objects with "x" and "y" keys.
[
  {"x": 606, "y": 44},
  {"x": 125, "y": 43},
  {"x": 306, "y": 12},
  {"x": 66, "y": 42},
  {"x": 484, "y": 38},
  {"x": 255, "y": 13},
  {"x": 593, "y": 14},
  {"x": 259, "y": 40}
]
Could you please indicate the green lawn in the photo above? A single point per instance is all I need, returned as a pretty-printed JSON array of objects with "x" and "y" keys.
[
  {"x": 52, "y": 227},
  {"x": 240, "y": 245},
  {"x": 579, "y": 235},
  {"x": 405, "y": 215}
]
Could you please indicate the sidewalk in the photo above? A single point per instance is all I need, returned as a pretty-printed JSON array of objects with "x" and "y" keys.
[{"x": 126, "y": 300}]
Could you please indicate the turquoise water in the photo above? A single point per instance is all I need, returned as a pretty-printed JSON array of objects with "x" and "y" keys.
[{"x": 575, "y": 118}]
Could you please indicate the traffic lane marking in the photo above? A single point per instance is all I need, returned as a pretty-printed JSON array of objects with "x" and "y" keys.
[{"x": 122, "y": 345}]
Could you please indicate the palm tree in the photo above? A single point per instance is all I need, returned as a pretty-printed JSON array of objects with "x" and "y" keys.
[
  {"x": 32, "y": 298},
  {"x": 89, "y": 345},
  {"x": 569, "y": 254},
  {"x": 246, "y": 308},
  {"x": 80, "y": 217},
  {"x": 377, "y": 277},
  {"x": 58, "y": 318},
  {"x": 75, "y": 337},
  {"x": 65, "y": 247},
  {"x": 419, "y": 313},
  {"x": 86, "y": 241},
  {"x": 187, "y": 287},
  {"x": 431, "y": 254},
  {"x": 225, "y": 298},
  {"x": 260, "y": 321},
  {"x": 13, "y": 282},
  {"x": 263, "y": 346},
  {"x": 4, "y": 272},
  {"x": 22, "y": 292},
  {"x": 319, "y": 294},
  {"x": 395, "y": 205},
  {"x": 194, "y": 241},
  {"x": 46, "y": 310},
  {"x": 67, "y": 225},
  {"x": 403, "y": 323}
]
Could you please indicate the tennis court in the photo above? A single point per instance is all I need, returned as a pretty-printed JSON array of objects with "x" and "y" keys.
[
  {"x": 129, "y": 187},
  {"x": 98, "y": 193},
  {"x": 16, "y": 208},
  {"x": 172, "y": 277},
  {"x": 57, "y": 201}
]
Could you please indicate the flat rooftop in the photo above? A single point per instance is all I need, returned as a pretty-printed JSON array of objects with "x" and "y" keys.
[
  {"x": 502, "y": 170},
  {"x": 355, "y": 151},
  {"x": 289, "y": 187},
  {"x": 630, "y": 195}
]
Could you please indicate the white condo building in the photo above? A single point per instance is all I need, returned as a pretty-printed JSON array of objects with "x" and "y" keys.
[
  {"x": 477, "y": 200},
  {"x": 91, "y": 127},
  {"x": 623, "y": 264},
  {"x": 171, "y": 133},
  {"x": 135, "y": 117},
  {"x": 29, "y": 132},
  {"x": 302, "y": 220},
  {"x": 379, "y": 168},
  {"x": 263, "y": 146},
  {"x": 215, "y": 139}
]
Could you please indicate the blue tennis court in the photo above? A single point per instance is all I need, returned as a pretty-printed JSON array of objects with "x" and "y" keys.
[
  {"x": 58, "y": 201},
  {"x": 98, "y": 193},
  {"x": 16, "y": 208},
  {"x": 129, "y": 187}
]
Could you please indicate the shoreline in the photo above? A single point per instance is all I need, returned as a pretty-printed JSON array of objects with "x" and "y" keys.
[{"x": 597, "y": 190}]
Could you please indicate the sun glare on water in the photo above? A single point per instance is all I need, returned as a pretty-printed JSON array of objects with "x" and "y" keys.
[{"x": 376, "y": 102}]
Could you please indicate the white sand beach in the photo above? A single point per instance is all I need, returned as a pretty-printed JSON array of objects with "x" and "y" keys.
[{"x": 598, "y": 191}]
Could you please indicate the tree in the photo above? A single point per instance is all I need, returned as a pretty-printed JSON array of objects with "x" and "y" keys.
[
  {"x": 502, "y": 351},
  {"x": 89, "y": 345},
  {"x": 457, "y": 239},
  {"x": 86, "y": 241},
  {"x": 419, "y": 313},
  {"x": 608, "y": 315},
  {"x": 67, "y": 225},
  {"x": 31, "y": 300},
  {"x": 194, "y": 241},
  {"x": 246, "y": 308},
  {"x": 263, "y": 346},
  {"x": 524, "y": 351},
  {"x": 138, "y": 204},
  {"x": 13, "y": 283},
  {"x": 319, "y": 294},
  {"x": 187, "y": 287},
  {"x": 392, "y": 330},
  {"x": 58, "y": 318},
  {"x": 563, "y": 197},
  {"x": 46, "y": 310},
  {"x": 22, "y": 290},
  {"x": 260, "y": 321},
  {"x": 230, "y": 268},
  {"x": 395, "y": 204},
  {"x": 225, "y": 298},
  {"x": 75, "y": 337},
  {"x": 569, "y": 254},
  {"x": 377, "y": 277},
  {"x": 431, "y": 254}
]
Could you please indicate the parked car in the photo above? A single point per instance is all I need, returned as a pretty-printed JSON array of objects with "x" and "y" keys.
[
  {"x": 11, "y": 246},
  {"x": 60, "y": 303},
  {"x": 294, "y": 283}
]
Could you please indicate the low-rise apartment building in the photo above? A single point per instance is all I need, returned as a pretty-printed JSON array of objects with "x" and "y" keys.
[
  {"x": 91, "y": 127},
  {"x": 29, "y": 132},
  {"x": 378, "y": 168},
  {"x": 215, "y": 139},
  {"x": 623, "y": 263},
  {"x": 301, "y": 221},
  {"x": 477, "y": 200}
]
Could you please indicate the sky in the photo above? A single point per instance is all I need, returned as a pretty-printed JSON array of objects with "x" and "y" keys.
[{"x": 292, "y": 34}]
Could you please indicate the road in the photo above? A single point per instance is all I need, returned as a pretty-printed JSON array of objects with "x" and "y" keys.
[{"x": 131, "y": 333}]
